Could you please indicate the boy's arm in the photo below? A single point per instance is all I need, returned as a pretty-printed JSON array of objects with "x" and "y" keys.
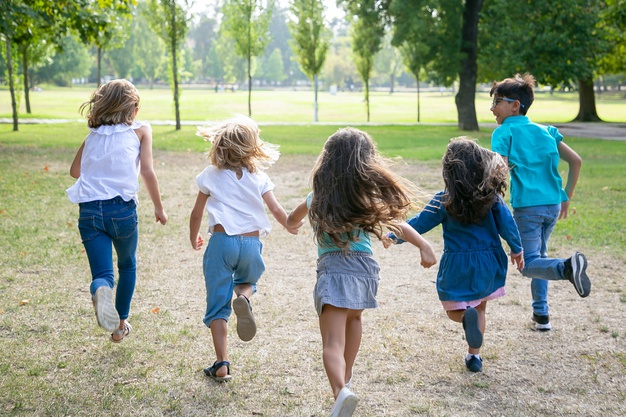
[
  {"x": 279, "y": 212},
  {"x": 575, "y": 162},
  {"x": 147, "y": 173},
  {"x": 75, "y": 167},
  {"x": 427, "y": 254},
  {"x": 296, "y": 217},
  {"x": 195, "y": 221}
]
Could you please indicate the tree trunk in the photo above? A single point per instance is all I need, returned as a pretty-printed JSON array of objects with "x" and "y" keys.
[
  {"x": 175, "y": 66},
  {"x": 11, "y": 85},
  {"x": 367, "y": 97},
  {"x": 99, "y": 65},
  {"x": 465, "y": 98},
  {"x": 417, "y": 80},
  {"x": 25, "y": 72},
  {"x": 249, "y": 84},
  {"x": 392, "y": 81},
  {"x": 587, "y": 102},
  {"x": 315, "y": 102}
]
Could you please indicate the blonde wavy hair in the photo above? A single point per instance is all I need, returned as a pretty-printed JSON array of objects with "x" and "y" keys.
[
  {"x": 113, "y": 103},
  {"x": 236, "y": 144}
]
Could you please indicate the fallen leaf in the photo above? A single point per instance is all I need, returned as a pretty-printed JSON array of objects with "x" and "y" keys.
[
  {"x": 155, "y": 310},
  {"x": 568, "y": 237},
  {"x": 46, "y": 168},
  {"x": 24, "y": 302}
]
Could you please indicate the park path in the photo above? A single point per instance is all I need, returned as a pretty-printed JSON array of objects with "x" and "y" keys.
[{"x": 599, "y": 130}]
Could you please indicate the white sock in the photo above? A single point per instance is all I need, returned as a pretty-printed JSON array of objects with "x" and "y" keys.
[{"x": 469, "y": 356}]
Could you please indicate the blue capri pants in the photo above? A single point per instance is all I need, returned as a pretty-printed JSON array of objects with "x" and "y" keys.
[{"x": 229, "y": 261}]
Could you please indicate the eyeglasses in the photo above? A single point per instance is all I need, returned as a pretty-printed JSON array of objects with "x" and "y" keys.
[{"x": 497, "y": 100}]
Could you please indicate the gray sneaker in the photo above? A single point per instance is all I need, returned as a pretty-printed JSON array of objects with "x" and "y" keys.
[{"x": 575, "y": 272}]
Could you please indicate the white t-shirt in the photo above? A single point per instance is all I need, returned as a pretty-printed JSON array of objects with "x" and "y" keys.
[
  {"x": 110, "y": 164},
  {"x": 236, "y": 203}
]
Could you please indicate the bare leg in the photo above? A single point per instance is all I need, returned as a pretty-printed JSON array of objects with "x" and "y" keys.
[
  {"x": 354, "y": 331},
  {"x": 457, "y": 315},
  {"x": 243, "y": 289},
  {"x": 333, "y": 330},
  {"x": 219, "y": 332}
]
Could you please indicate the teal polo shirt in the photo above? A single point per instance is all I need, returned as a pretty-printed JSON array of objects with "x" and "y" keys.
[{"x": 532, "y": 151}]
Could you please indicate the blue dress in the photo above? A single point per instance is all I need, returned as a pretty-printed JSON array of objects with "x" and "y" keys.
[{"x": 473, "y": 264}]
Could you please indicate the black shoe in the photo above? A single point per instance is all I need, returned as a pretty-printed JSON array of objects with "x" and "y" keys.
[
  {"x": 542, "y": 323},
  {"x": 473, "y": 336},
  {"x": 575, "y": 272},
  {"x": 474, "y": 363}
]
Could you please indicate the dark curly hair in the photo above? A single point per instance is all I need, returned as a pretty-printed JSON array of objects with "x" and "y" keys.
[
  {"x": 354, "y": 190},
  {"x": 474, "y": 177}
]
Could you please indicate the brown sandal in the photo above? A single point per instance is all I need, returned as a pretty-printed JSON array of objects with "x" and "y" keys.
[{"x": 121, "y": 332}]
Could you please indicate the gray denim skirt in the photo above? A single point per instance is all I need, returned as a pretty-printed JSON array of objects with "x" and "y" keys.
[{"x": 346, "y": 280}]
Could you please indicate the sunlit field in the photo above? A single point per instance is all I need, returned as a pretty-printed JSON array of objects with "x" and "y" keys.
[{"x": 202, "y": 103}]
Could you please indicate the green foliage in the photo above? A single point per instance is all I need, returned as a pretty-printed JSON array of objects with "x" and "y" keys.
[
  {"x": 310, "y": 36},
  {"x": 247, "y": 22},
  {"x": 368, "y": 30},
  {"x": 567, "y": 41}
]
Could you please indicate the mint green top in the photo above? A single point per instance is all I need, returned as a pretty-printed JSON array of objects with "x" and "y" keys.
[
  {"x": 362, "y": 244},
  {"x": 533, "y": 154}
]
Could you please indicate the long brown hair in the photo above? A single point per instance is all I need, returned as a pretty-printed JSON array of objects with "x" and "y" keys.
[
  {"x": 474, "y": 177},
  {"x": 354, "y": 190},
  {"x": 111, "y": 104}
]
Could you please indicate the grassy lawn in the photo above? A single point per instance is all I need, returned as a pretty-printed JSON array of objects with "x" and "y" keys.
[
  {"x": 56, "y": 361},
  {"x": 199, "y": 104}
]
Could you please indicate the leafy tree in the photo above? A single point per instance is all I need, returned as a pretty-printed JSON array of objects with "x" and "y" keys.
[
  {"x": 168, "y": 19},
  {"x": 71, "y": 60},
  {"x": 568, "y": 37},
  {"x": 233, "y": 66},
  {"x": 389, "y": 61},
  {"x": 122, "y": 60},
  {"x": 246, "y": 22},
  {"x": 106, "y": 25},
  {"x": 310, "y": 40},
  {"x": 149, "y": 53},
  {"x": 368, "y": 30},
  {"x": 203, "y": 35},
  {"x": 274, "y": 69},
  {"x": 280, "y": 37}
]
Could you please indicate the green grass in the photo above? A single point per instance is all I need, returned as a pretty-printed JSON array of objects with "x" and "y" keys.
[
  {"x": 198, "y": 104},
  {"x": 55, "y": 361},
  {"x": 598, "y": 222}
]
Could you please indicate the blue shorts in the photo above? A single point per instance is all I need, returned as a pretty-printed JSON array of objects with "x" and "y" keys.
[
  {"x": 347, "y": 280},
  {"x": 229, "y": 261}
]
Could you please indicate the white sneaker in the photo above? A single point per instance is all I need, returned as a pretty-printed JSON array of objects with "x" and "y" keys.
[
  {"x": 344, "y": 404},
  {"x": 106, "y": 314}
]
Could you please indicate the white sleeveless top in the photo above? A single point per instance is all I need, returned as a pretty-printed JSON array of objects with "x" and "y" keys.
[
  {"x": 236, "y": 203},
  {"x": 110, "y": 164}
]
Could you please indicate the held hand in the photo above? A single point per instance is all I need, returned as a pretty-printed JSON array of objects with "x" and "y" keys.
[
  {"x": 197, "y": 244},
  {"x": 160, "y": 216},
  {"x": 428, "y": 256},
  {"x": 295, "y": 229},
  {"x": 518, "y": 260},
  {"x": 387, "y": 241}
]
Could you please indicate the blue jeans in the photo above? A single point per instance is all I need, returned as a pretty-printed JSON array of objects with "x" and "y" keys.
[
  {"x": 535, "y": 226},
  {"x": 104, "y": 224},
  {"x": 229, "y": 261}
]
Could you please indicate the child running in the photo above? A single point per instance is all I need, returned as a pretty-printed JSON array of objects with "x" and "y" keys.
[
  {"x": 532, "y": 152},
  {"x": 107, "y": 165},
  {"x": 354, "y": 195},
  {"x": 473, "y": 216},
  {"x": 233, "y": 189}
]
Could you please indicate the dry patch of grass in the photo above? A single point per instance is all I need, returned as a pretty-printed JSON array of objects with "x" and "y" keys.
[{"x": 56, "y": 361}]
